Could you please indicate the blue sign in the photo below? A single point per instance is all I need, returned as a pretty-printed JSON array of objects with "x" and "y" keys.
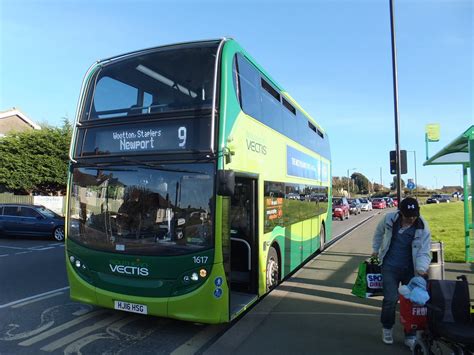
[
  {"x": 218, "y": 292},
  {"x": 302, "y": 165},
  {"x": 218, "y": 281},
  {"x": 411, "y": 185}
]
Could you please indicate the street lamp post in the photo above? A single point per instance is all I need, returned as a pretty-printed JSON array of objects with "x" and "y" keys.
[
  {"x": 348, "y": 180},
  {"x": 416, "y": 181}
]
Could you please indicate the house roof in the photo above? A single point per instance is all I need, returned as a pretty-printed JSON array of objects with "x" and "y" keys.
[
  {"x": 21, "y": 115},
  {"x": 456, "y": 152}
]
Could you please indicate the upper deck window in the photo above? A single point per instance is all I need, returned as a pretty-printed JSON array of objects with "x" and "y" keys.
[{"x": 168, "y": 79}]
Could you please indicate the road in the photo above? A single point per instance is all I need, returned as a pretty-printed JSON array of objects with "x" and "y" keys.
[{"x": 37, "y": 316}]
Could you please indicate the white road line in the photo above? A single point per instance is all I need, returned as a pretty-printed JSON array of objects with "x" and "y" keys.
[
  {"x": 45, "y": 248},
  {"x": 32, "y": 297},
  {"x": 23, "y": 252},
  {"x": 37, "y": 299},
  {"x": 81, "y": 332},
  {"x": 82, "y": 311},
  {"x": 4, "y": 255},
  {"x": 198, "y": 341},
  {"x": 60, "y": 328}
]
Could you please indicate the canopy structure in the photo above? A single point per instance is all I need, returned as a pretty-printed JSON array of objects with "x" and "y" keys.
[{"x": 461, "y": 151}]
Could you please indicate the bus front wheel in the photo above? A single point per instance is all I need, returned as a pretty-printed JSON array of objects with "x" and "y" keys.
[{"x": 273, "y": 269}]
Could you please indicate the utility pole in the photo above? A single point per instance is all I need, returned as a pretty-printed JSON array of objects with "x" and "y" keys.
[
  {"x": 348, "y": 179},
  {"x": 395, "y": 100}
]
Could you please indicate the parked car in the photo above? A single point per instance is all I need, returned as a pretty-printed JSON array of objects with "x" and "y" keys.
[
  {"x": 355, "y": 206},
  {"x": 366, "y": 205},
  {"x": 431, "y": 200},
  {"x": 379, "y": 203},
  {"x": 437, "y": 198},
  {"x": 340, "y": 208},
  {"x": 30, "y": 220}
]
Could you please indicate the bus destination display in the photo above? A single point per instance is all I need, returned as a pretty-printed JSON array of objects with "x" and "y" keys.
[{"x": 137, "y": 138}]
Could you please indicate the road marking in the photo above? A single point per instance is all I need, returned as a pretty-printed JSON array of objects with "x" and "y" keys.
[
  {"x": 82, "y": 311},
  {"x": 45, "y": 248},
  {"x": 37, "y": 299},
  {"x": 23, "y": 252},
  {"x": 81, "y": 332},
  {"x": 32, "y": 297},
  {"x": 113, "y": 332},
  {"x": 4, "y": 255},
  {"x": 199, "y": 340},
  {"x": 60, "y": 328}
]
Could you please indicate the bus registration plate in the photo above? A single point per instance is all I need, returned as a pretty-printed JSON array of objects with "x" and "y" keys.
[{"x": 131, "y": 307}]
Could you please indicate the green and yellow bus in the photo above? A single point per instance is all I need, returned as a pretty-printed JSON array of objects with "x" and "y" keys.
[{"x": 196, "y": 183}]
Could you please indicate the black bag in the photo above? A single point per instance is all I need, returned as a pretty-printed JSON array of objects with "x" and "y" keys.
[{"x": 369, "y": 281}]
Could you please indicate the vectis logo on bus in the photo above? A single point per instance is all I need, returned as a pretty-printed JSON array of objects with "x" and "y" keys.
[
  {"x": 126, "y": 268},
  {"x": 374, "y": 281},
  {"x": 256, "y": 147}
]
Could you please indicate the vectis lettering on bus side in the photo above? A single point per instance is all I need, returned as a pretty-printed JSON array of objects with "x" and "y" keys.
[{"x": 256, "y": 147}]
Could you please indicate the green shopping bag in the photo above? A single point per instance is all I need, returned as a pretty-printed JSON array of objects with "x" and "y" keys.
[{"x": 369, "y": 281}]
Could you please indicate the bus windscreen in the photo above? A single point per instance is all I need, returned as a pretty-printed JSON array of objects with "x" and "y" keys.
[{"x": 143, "y": 210}]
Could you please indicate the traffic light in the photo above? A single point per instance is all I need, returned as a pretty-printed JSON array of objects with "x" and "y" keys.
[{"x": 403, "y": 162}]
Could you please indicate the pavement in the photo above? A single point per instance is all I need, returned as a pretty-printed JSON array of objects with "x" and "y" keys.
[{"x": 314, "y": 312}]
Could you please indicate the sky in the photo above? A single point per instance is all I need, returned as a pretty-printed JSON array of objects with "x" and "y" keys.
[{"x": 332, "y": 56}]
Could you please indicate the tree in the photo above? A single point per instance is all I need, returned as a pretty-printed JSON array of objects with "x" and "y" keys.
[
  {"x": 393, "y": 184},
  {"x": 362, "y": 183},
  {"x": 35, "y": 161}
]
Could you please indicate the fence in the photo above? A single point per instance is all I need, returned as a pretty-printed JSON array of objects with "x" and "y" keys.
[{"x": 54, "y": 203}]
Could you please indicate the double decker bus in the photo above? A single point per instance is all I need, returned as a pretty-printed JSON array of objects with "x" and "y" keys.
[{"x": 196, "y": 183}]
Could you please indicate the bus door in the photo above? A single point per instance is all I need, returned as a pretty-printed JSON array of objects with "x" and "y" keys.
[{"x": 244, "y": 244}]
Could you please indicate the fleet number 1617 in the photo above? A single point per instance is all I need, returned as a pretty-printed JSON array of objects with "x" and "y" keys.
[{"x": 200, "y": 259}]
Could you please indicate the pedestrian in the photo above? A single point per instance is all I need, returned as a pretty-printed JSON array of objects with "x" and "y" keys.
[{"x": 402, "y": 242}]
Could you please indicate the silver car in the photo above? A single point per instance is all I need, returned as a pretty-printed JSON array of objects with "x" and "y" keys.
[{"x": 366, "y": 204}]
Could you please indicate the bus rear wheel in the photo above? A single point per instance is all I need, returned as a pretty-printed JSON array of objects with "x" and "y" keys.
[
  {"x": 273, "y": 269},
  {"x": 322, "y": 238}
]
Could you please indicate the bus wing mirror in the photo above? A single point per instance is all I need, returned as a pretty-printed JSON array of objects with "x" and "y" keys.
[{"x": 225, "y": 182}]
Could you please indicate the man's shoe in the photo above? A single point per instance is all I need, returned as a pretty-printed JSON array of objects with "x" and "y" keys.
[
  {"x": 410, "y": 341},
  {"x": 387, "y": 336}
]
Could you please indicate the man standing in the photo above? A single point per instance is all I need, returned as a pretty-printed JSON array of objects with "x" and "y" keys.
[{"x": 402, "y": 242}]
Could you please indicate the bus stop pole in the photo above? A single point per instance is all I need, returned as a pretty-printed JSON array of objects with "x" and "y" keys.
[
  {"x": 471, "y": 226},
  {"x": 466, "y": 210},
  {"x": 395, "y": 101}
]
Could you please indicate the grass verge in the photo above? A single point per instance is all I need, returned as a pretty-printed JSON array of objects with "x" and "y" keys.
[{"x": 446, "y": 222}]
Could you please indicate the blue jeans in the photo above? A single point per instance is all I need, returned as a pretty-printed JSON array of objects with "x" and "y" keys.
[{"x": 392, "y": 277}]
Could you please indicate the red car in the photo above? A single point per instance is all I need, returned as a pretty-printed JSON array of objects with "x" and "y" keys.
[
  {"x": 379, "y": 203},
  {"x": 395, "y": 202},
  {"x": 340, "y": 208}
]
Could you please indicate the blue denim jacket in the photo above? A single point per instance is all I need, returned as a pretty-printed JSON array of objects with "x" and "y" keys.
[{"x": 421, "y": 245}]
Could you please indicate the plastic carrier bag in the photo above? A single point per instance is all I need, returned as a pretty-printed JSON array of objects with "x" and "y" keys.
[{"x": 369, "y": 281}]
